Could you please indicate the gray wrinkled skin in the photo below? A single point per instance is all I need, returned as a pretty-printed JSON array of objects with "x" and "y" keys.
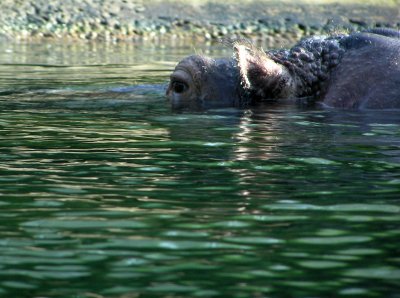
[
  {"x": 202, "y": 83},
  {"x": 356, "y": 71}
]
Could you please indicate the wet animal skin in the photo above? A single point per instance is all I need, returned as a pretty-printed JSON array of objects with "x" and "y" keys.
[{"x": 349, "y": 71}]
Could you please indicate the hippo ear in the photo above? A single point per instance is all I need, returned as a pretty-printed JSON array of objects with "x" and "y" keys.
[{"x": 260, "y": 74}]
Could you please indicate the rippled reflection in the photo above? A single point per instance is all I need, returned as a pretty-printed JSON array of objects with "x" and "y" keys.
[{"x": 105, "y": 192}]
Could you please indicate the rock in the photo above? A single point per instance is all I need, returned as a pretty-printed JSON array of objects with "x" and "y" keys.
[{"x": 263, "y": 19}]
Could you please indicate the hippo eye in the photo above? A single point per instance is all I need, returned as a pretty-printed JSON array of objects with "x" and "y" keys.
[{"x": 179, "y": 87}]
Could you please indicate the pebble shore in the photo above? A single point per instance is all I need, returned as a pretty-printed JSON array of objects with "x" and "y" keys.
[{"x": 131, "y": 20}]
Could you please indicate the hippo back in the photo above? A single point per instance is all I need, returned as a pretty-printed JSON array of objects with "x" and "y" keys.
[
  {"x": 389, "y": 32},
  {"x": 368, "y": 76}
]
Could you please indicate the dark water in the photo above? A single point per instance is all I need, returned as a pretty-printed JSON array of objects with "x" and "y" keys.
[{"x": 106, "y": 193}]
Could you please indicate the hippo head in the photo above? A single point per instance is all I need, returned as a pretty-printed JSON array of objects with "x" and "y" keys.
[{"x": 199, "y": 82}]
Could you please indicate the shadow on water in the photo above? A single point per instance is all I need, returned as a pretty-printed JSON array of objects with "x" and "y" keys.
[{"x": 105, "y": 192}]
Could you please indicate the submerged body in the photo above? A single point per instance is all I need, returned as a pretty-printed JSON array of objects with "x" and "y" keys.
[{"x": 356, "y": 71}]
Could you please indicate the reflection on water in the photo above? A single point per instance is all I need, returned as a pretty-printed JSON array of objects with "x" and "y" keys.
[{"x": 106, "y": 193}]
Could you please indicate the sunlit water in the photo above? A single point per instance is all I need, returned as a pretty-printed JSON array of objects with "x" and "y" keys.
[{"x": 105, "y": 192}]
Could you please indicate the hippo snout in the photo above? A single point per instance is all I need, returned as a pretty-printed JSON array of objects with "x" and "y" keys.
[
  {"x": 181, "y": 89},
  {"x": 199, "y": 83}
]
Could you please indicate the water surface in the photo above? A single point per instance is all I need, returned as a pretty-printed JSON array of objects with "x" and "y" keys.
[{"x": 105, "y": 192}]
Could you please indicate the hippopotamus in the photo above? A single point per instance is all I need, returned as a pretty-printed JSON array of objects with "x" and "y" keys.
[{"x": 359, "y": 70}]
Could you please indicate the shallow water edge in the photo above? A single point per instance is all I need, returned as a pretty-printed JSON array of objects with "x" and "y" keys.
[{"x": 131, "y": 20}]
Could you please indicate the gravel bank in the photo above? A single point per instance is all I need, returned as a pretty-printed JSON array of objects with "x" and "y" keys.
[{"x": 127, "y": 20}]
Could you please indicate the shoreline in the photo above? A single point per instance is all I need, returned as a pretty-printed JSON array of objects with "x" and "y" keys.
[{"x": 267, "y": 21}]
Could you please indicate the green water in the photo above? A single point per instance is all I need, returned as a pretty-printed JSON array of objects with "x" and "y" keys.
[{"x": 104, "y": 192}]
